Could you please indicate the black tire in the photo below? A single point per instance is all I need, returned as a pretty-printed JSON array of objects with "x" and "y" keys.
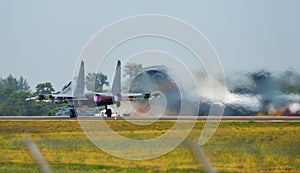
[
  {"x": 108, "y": 112},
  {"x": 72, "y": 113}
]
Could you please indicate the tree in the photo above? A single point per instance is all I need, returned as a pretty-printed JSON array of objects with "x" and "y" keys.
[
  {"x": 4, "y": 94},
  {"x": 15, "y": 105},
  {"x": 44, "y": 88},
  {"x": 132, "y": 69},
  {"x": 14, "y": 84},
  {"x": 13, "y": 94},
  {"x": 96, "y": 81},
  {"x": 22, "y": 84}
]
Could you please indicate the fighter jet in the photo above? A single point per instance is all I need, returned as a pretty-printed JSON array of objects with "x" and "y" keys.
[{"x": 75, "y": 94}]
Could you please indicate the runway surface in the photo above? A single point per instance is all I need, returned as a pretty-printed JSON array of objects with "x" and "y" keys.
[{"x": 164, "y": 118}]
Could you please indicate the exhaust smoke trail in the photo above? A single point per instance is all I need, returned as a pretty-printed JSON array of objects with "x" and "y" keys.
[{"x": 250, "y": 93}]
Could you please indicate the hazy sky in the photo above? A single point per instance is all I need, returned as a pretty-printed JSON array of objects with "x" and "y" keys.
[{"x": 41, "y": 40}]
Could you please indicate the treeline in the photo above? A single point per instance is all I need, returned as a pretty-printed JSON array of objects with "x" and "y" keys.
[{"x": 13, "y": 94}]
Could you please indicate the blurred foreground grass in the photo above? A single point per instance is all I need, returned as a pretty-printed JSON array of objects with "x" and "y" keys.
[{"x": 235, "y": 147}]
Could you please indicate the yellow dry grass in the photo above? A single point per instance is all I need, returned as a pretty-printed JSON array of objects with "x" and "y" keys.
[{"x": 235, "y": 147}]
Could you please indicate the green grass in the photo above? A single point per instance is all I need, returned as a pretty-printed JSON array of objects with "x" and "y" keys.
[{"x": 235, "y": 147}]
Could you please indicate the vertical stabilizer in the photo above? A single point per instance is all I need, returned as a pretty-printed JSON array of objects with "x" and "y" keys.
[
  {"x": 116, "y": 86},
  {"x": 78, "y": 91}
]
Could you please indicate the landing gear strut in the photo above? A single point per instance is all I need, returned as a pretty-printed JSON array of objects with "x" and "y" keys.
[{"x": 108, "y": 111}]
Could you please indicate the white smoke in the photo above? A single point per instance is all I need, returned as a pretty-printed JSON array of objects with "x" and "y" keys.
[
  {"x": 247, "y": 94},
  {"x": 294, "y": 108}
]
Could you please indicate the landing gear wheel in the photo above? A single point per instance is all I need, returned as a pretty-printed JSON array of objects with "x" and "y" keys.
[
  {"x": 72, "y": 113},
  {"x": 108, "y": 112}
]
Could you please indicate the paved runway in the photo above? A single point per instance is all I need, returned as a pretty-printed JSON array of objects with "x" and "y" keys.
[{"x": 170, "y": 118}]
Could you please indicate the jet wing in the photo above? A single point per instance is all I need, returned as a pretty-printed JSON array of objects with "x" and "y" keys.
[
  {"x": 103, "y": 94},
  {"x": 130, "y": 96},
  {"x": 62, "y": 95},
  {"x": 68, "y": 96},
  {"x": 41, "y": 97}
]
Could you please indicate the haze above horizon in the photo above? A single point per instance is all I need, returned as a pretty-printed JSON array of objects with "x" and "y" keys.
[{"x": 41, "y": 40}]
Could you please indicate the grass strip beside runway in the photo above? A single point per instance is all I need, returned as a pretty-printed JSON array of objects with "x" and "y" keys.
[{"x": 236, "y": 147}]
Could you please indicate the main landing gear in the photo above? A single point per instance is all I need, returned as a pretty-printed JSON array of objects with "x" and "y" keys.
[
  {"x": 72, "y": 113},
  {"x": 108, "y": 112}
]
